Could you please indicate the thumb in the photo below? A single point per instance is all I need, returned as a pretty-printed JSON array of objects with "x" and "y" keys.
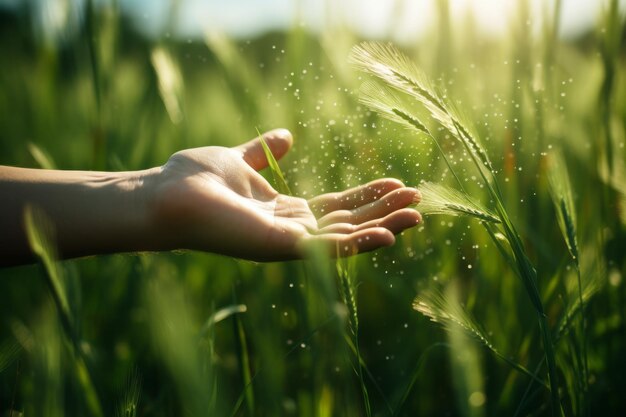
[{"x": 278, "y": 140}]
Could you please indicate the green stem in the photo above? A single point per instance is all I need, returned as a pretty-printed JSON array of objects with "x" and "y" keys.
[
  {"x": 527, "y": 391},
  {"x": 583, "y": 335},
  {"x": 369, "y": 374},
  {"x": 551, "y": 361},
  {"x": 445, "y": 158},
  {"x": 366, "y": 397},
  {"x": 528, "y": 274},
  {"x": 520, "y": 368},
  {"x": 244, "y": 358},
  {"x": 414, "y": 377}
]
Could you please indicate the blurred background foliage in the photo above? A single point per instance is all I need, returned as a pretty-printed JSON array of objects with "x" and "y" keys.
[{"x": 85, "y": 86}]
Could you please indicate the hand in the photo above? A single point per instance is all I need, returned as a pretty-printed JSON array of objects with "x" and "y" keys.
[
  {"x": 209, "y": 199},
  {"x": 213, "y": 199}
]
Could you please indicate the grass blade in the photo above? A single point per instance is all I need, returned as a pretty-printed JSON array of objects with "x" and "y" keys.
[
  {"x": 244, "y": 358},
  {"x": 170, "y": 83},
  {"x": 277, "y": 174},
  {"x": 43, "y": 158},
  {"x": 220, "y": 315},
  {"x": 40, "y": 234}
]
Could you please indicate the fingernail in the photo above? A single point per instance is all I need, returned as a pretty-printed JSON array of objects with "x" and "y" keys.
[{"x": 417, "y": 197}]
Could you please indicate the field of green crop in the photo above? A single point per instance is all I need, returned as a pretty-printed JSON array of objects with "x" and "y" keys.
[{"x": 507, "y": 300}]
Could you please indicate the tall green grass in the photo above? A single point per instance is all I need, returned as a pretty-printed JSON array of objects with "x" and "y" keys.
[{"x": 395, "y": 69}]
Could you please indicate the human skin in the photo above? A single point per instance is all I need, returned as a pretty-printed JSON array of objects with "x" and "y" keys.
[{"x": 210, "y": 199}]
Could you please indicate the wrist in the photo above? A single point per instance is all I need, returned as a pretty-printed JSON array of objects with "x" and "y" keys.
[
  {"x": 113, "y": 213},
  {"x": 161, "y": 209},
  {"x": 143, "y": 198}
]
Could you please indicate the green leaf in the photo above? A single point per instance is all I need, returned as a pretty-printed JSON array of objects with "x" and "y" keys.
[{"x": 279, "y": 180}]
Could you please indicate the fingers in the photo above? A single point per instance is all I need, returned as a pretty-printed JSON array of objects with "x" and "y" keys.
[
  {"x": 354, "y": 197},
  {"x": 395, "y": 222},
  {"x": 390, "y": 202},
  {"x": 351, "y": 244},
  {"x": 278, "y": 140},
  {"x": 344, "y": 239}
]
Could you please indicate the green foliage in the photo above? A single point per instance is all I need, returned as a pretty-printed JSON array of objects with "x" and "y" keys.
[
  {"x": 396, "y": 70},
  {"x": 198, "y": 334}
]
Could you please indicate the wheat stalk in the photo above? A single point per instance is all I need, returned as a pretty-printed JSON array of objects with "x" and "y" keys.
[
  {"x": 439, "y": 199},
  {"x": 387, "y": 104},
  {"x": 395, "y": 69},
  {"x": 445, "y": 310},
  {"x": 562, "y": 197},
  {"x": 346, "y": 271},
  {"x": 591, "y": 286}
]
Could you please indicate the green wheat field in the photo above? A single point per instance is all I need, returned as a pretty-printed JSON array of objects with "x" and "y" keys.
[{"x": 507, "y": 300}]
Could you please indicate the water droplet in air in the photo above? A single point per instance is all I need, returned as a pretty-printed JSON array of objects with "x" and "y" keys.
[{"x": 476, "y": 399}]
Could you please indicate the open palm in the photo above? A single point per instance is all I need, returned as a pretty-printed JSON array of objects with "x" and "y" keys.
[{"x": 213, "y": 199}]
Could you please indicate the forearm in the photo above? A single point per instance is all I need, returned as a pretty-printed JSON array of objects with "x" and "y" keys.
[{"x": 92, "y": 212}]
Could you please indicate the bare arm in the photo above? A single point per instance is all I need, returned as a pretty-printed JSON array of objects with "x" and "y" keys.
[
  {"x": 210, "y": 199},
  {"x": 93, "y": 212}
]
